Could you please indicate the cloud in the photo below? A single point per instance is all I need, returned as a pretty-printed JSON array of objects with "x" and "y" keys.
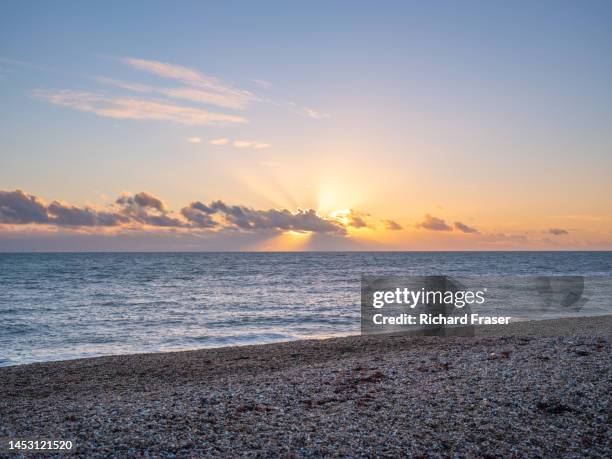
[
  {"x": 250, "y": 144},
  {"x": 135, "y": 87},
  {"x": 66, "y": 215},
  {"x": 246, "y": 218},
  {"x": 206, "y": 89},
  {"x": 314, "y": 114},
  {"x": 199, "y": 215},
  {"x": 221, "y": 141},
  {"x": 434, "y": 224},
  {"x": 147, "y": 209},
  {"x": 141, "y": 200},
  {"x": 557, "y": 231},
  {"x": 204, "y": 97},
  {"x": 357, "y": 219},
  {"x": 141, "y": 210},
  {"x": 465, "y": 228},
  {"x": 240, "y": 143},
  {"x": 194, "y": 140},
  {"x": 350, "y": 218},
  {"x": 217, "y": 92},
  {"x": 17, "y": 207},
  {"x": 184, "y": 92},
  {"x": 304, "y": 111},
  {"x": 392, "y": 225},
  {"x": 162, "y": 103},
  {"x": 135, "y": 109}
]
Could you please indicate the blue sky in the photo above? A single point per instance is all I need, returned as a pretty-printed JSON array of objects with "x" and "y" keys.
[{"x": 493, "y": 114}]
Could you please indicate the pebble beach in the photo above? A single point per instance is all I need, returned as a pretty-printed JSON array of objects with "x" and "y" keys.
[{"x": 530, "y": 389}]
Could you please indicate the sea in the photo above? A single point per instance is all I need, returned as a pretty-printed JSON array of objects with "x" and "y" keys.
[{"x": 57, "y": 306}]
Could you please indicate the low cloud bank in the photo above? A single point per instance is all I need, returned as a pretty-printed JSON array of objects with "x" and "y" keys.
[
  {"x": 143, "y": 209},
  {"x": 432, "y": 223}
]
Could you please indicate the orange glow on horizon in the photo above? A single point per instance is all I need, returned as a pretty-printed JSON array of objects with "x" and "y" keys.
[{"x": 288, "y": 241}]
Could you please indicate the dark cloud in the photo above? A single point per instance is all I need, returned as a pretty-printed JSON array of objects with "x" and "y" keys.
[
  {"x": 558, "y": 231},
  {"x": 198, "y": 215},
  {"x": 357, "y": 219},
  {"x": 66, "y": 215},
  {"x": 141, "y": 200},
  {"x": 465, "y": 229},
  {"x": 392, "y": 225},
  {"x": 239, "y": 216},
  {"x": 148, "y": 209},
  {"x": 202, "y": 207},
  {"x": 163, "y": 220},
  {"x": 17, "y": 207},
  {"x": 434, "y": 224},
  {"x": 246, "y": 218}
]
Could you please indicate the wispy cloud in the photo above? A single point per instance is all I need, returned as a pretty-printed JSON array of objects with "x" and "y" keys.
[
  {"x": 136, "y": 87},
  {"x": 207, "y": 89},
  {"x": 250, "y": 144},
  {"x": 239, "y": 143},
  {"x": 217, "y": 99},
  {"x": 217, "y": 91},
  {"x": 194, "y": 140},
  {"x": 242, "y": 144},
  {"x": 135, "y": 109},
  {"x": 314, "y": 114},
  {"x": 161, "y": 102},
  {"x": 205, "y": 97},
  {"x": 220, "y": 141}
]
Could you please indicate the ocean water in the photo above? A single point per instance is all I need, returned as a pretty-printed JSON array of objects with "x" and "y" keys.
[{"x": 69, "y": 305}]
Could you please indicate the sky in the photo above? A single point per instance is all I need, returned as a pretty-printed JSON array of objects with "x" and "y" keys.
[{"x": 475, "y": 125}]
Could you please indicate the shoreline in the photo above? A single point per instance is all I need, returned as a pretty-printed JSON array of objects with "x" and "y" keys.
[
  {"x": 527, "y": 388},
  {"x": 561, "y": 325}
]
